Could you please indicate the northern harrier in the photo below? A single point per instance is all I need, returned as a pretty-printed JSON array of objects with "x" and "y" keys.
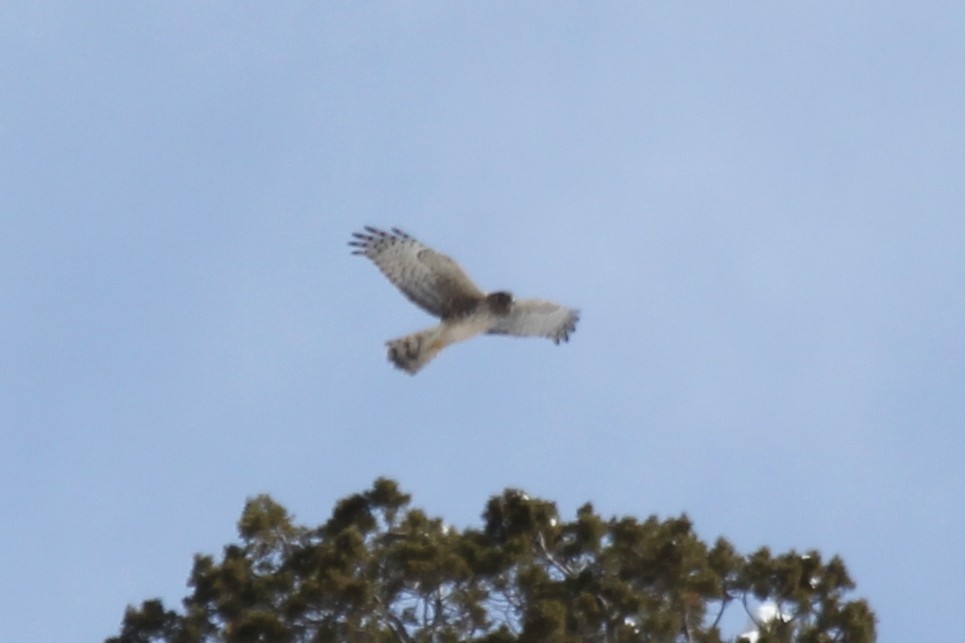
[{"x": 437, "y": 284}]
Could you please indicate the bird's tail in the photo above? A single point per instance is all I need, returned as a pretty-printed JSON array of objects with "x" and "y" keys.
[{"x": 412, "y": 352}]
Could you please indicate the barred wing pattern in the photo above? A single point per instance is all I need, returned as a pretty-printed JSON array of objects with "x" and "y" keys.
[
  {"x": 431, "y": 280},
  {"x": 538, "y": 318}
]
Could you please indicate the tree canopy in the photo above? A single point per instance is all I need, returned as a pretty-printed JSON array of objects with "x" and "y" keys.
[{"x": 379, "y": 570}]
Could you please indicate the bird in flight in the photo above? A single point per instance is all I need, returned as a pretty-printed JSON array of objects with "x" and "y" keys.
[{"x": 437, "y": 284}]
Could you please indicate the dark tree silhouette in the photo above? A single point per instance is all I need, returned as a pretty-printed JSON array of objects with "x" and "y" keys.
[{"x": 381, "y": 571}]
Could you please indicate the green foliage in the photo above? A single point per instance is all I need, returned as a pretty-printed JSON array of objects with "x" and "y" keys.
[{"x": 381, "y": 571}]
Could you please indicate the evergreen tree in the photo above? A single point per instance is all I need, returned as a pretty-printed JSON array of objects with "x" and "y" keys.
[{"x": 380, "y": 570}]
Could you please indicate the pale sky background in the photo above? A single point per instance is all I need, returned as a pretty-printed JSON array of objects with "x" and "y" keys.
[{"x": 759, "y": 208}]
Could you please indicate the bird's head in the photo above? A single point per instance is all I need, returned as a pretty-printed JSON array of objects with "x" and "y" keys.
[{"x": 500, "y": 302}]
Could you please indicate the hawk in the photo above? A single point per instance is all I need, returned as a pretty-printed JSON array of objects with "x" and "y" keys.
[{"x": 437, "y": 284}]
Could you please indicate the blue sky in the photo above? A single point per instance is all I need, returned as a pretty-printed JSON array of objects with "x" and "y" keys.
[{"x": 760, "y": 210}]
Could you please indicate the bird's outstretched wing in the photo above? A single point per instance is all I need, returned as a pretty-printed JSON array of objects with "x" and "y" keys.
[
  {"x": 535, "y": 317},
  {"x": 431, "y": 280}
]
